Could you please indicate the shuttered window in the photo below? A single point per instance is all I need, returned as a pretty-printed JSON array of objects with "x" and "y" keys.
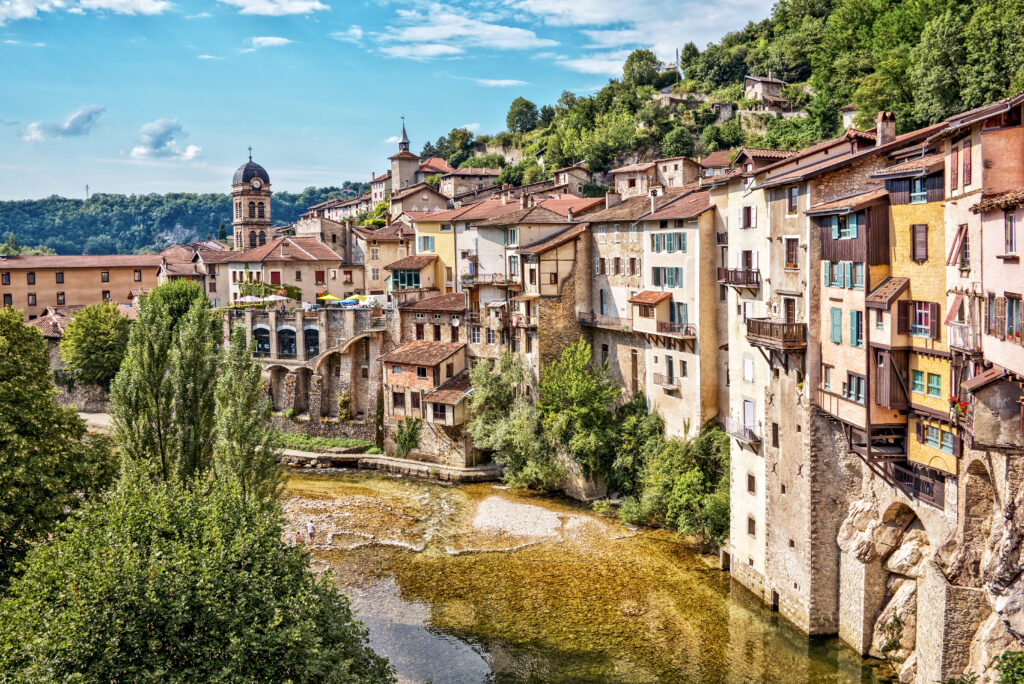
[
  {"x": 837, "y": 325},
  {"x": 903, "y": 318},
  {"x": 954, "y": 168},
  {"x": 967, "y": 163},
  {"x": 919, "y": 242},
  {"x": 827, "y": 270},
  {"x": 856, "y": 330}
]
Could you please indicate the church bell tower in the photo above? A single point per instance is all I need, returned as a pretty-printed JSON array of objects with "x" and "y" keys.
[{"x": 250, "y": 197}]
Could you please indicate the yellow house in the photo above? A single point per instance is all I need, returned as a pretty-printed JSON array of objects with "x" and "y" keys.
[
  {"x": 907, "y": 311},
  {"x": 435, "y": 234}
]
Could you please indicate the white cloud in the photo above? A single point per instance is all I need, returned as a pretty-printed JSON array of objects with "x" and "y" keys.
[
  {"x": 79, "y": 122},
  {"x": 609, "y": 63},
  {"x": 26, "y": 9},
  {"x": 201, "y": 15},
  {"x": 442, "y": 31},
  {"x": 500, "y": 82},
  {"x": 421, "y": 52},
  {"x": 266, "y": 41},
  {"x": 472, "y": 127},
  {"x": 76, "y": 10},
  {"x": 127, "y": 6},
  {"x": 393, "y": 139},
  {"x": 353, "y": 35},
  {"x": 276, "y": 8},
  {"x": 159, "y": 140},
  {"x": 208, "y": 57}
]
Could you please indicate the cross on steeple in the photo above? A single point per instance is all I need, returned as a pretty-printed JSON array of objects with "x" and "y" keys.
[{"x": 250, "y": 152}]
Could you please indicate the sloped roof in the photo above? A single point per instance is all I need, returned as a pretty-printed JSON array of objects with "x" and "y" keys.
[
  {"x": 299, "y": 249},
  {"x": 633, "y": 208},
  {"x": 51, "y": 324},
  {"x": 551, "y": 241},
  {"x": 649, "y": 297},
  {"x": 214, "y": 256},
  {"x": 529, "y": 215},
  {"x": 189, "y": 269},
  {"x": 473, "y": 171},
  {"x": 412, "y": 189},
  {"x": 972, "y": 116},
  {"x": 984, "y": 378},
  {"x": 414, "y": 262},
  {"x": 912, "y": 167},
  {"x": 717, "y": 159},
  {"x": 578, "y": 205},
  {"x": 393, "y": 232},
  {"x": 423, "y": 353},
  {"x": 765, "y": 153},
  {"x": 404, "y": 154},
  {"x": 80, "y": 261},
  {"x": 453, "y": 302},
  {"x": 886, "y": 293},
  {"x": 845, "y": 205},
  {"x": 764, "y": 79},
  {"x": 630, "y": 168},
  {"x": 685, "y": 207},
  {"x": 434, "y": 165},
  {"x": 1004, "y": 200},
  {"x": 454, "y": 390},
  {"x": 381, "y": 177}
]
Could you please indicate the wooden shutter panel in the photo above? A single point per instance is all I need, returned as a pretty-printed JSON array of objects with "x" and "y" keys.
[
  {"x": 934, "y": 319},
  {"x": 919, "y": 242},
  {"x": 1001, "y": 317},
  {"x": 967, "y": 163},
  {"x": 849, "y": 273},
  {"x": 828, "y": 272},
  {"x": 958, "y": 446},
  {"x": 920, "y": 431},
  {"x": 852, "y": 220},
  {"x": 835, "y": 227},
  {"x": 954, "y": 168},
  {"x": 837, "y": 325},
  {"x": 902, "y": 317}
]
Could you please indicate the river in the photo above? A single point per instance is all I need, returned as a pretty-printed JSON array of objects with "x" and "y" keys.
[{"x": 471, "y": 583}]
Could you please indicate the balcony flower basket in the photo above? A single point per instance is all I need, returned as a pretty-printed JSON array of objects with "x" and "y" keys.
[
  {"x": 467, "y": 277},
  {"x": 957, "y": 407}
]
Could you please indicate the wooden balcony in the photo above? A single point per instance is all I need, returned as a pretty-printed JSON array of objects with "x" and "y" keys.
[
  {"x": 965, "y": 337},
  {"x": 918, "y": 484},
  {"x": 677, "y": 329},
  {"x": 764, "y": 332},
  {"x": 498, "y": 279},
  {"x": 666, "y": 383},
  {"x": 523, "y": 321},
  {"x": 608, "y": 322},
  {"x": 740, "y": 277}
]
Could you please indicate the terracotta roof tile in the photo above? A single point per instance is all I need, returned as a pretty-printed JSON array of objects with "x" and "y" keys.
[
  {"x": 474, "y": 171},
  {"x": 632, "y": 168},
  {"x": 633, "y": 208},
  {"x": 299, "y": 249},
  {"x": 452, "y": 391},
  {"x": 984, "y": 378},
  {"x": 578, "y": 205},
  {"x": 886, "y": 293},
  {"x": 68, "y": 261},
  {"x": 1004, "y": 200},
  {"x": 422, "y": 353},
  {"x": 847, "y": 204},
  {"x": 717, "y": 159},
  {"x": 530, "y": 215},
  {"x": 453, "y": 302},
  {"x": 649, "y": 297},
  {"x": 434, "y": 165},
  {"x": 413, "y": 189},
  {"x": 685, "y": 207},
  {"x": 413, "y": 262},
  {"x": 918, "y": 165},
  {"x": 552, "y": 241},
  {"x": 382, "y": 177},
  {"x": 51, "y": 324}
]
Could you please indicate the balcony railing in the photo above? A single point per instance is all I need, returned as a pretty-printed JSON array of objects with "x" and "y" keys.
[
  {"x": 722, "y": 238},
  {"x": 931, "y": 490},
  {"x": 473, "y": 316},
  {"x": 523, "y": 321},
  {"x": 471, "y": 279},
  {"x": 744, "y": 433},
  {"x": 680, "y": 329},
  {"x": 662, "y": 380},
  {"x": 965, "y": 336},
  {"x": 740, "y": 277},
  {"x": 764, "y": 332},
  {"x": 602, "y": 321}
]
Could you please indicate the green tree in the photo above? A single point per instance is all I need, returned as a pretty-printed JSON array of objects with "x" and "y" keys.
[
  {"x": 640, "y": 437},
  {"x": 161, "y": 582},
  {"x": 491, "y": 160},
  {"x": 677, "y": 143},
  {"x": 641, "y": 68},
  {"x": 222, "y": 232},
  {"x": 194, "y": 368},
  {"x": 407, "y": 435},
  {"x": 261, "y": 288},
  {"x": 49, "y": 464},
  {"x": 522, "y": 116},
  {"x": 247, "y": 448},
  {"x": 176, "y": 297},
  {"x": 576, "y": 396},
  {"x": 94, "y": 344},
  {"x": 378, "y": 216}
]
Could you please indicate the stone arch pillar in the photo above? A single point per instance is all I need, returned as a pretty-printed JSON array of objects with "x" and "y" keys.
[
  {"x": 288, "y": 400},
  {"x": 316, "y": 390}
]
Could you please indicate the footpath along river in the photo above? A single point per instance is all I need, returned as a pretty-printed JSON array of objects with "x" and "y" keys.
[{"x": 471, "y": 583}]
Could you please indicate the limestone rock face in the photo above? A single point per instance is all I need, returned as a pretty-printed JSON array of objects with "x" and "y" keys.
[
  {"x": 866, "y": 537},
  {"x": 908, "y": 556},
  {"x": 990, "y": 640},
  {"x": 904, "y": 604},
  {"x": 908, "y": 671}
]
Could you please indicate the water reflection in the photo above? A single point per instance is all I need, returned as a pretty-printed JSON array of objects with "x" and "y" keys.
[{"x": 473, "y": 584}]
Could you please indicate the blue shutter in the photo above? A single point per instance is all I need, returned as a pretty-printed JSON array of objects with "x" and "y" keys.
[
  {"x": 837, "y": 325},
  {"x": 828, "y": 272},
  {"x": 853, "y": 221},
  {"x": 835, "y": 227},
  {"x": 670, "y": 277},
  {"x": 656, "y": 276},
  {"x": 679, "y": 276},
  {"x": 838, "y": 272},
  {"x": 668, "y": 242},
  {"x": 685, "y": 317},
  {"x": 855, "y": 328},
  {"x": 682, "y": 242},
  {"x": 849, "y": 273}
]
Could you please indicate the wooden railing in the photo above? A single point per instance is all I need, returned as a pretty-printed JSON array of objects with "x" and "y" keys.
[
  {"x": 741, "y": 277},
  {"x": 964, "y": 336},
  {"x": 776, "y": 334},
  {"x": 681, "y": 329},
  {"x": 928, "y": 489}
]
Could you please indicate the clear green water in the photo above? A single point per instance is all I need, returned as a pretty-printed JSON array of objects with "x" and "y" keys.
[{"x": 471, "y": 583}]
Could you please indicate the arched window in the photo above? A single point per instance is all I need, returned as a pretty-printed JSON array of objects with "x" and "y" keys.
[
  {"x": 286, "y": 343},
  {"x": 262, "y": 337},
  {"x": 252, "y": 238},
  {"x": 259, "y": 210},
  {"x": 238, "y": 210},
  {"x": 252, "y": 210},
  {"x": 312, "y": 340},
  {"x": 263, "y": 238}
]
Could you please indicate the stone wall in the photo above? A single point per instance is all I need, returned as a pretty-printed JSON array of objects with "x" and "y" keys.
[{"x": 324, "y": 429}]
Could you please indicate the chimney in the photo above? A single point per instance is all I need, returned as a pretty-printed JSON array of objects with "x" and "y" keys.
[
  {"x": 654, "y": 204},
  {"x": 611, "y": 199},
  {"x": 885, "y": 128},
  {"x": 284, "y": 248},
  {"x": 504, "y": 199},
  {"x": 522, "y": 201},
  {"x": 568, "y": 214}
]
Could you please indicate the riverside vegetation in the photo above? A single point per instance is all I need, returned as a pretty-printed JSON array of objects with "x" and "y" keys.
[
  {"x": 160, "y": 556},
  {"x": 680, "y": 484}
]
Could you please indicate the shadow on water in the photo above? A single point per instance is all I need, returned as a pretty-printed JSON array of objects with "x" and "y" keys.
[{"x": 474, "y": 584}]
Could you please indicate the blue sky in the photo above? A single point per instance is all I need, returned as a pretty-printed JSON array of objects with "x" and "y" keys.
[{"x": 165, "y": 95}]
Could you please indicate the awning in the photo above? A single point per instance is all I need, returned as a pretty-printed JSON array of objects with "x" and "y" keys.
[
  {"x": 985, "y": 378},
  {"x": 494, "y": 305},
  {"x": 954, "y": 309}
]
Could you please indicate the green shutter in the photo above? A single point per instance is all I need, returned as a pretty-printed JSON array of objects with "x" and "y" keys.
[
  {"x": 828, "y": 272},
  {"x": 838, "y": 272},
  {"x": 679, "y": 276},
  {"x": 849, "y": 273},
  {"x": 685, "y": 315},
  {"x": 837, "y": 325},
  {"x": 853, "y": 221},
  {"x": 835, "y": 227},
  {"x": 682, "y": 242},
  {"x": 855, "y": 328},
  {"x": 668, "y": 243}
]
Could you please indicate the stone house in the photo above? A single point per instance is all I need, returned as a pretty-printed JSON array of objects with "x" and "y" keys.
[
  {"x": 429, "y": 380},
  {"x": 676, "y": 313},
  {"x": 304, "y": 262},
  {"x": 335, "y": 234},
  {"x": 380, "y": 247},
  {"x": 716, "y": 163},
  {"x": 418, "y": 198},
  {"x": 431, "y": 166},
  {"x": 765, "y": 90},
  {"x": 574, "y": 178},
  {"x": 466, "y": 180},
  {"x": 640, "y": 178},
  {"x": 34, "y": 282},
  {"x": 380, "y": 186}
]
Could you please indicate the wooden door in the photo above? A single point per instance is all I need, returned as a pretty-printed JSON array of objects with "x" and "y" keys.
[{"x": 789, "y": 310}]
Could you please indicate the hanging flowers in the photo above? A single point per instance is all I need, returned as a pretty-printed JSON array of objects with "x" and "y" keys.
[{"x": 957, "y": 406}]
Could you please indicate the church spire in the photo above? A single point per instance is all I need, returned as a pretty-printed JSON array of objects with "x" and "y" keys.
[{"x": 403, "y": 144}]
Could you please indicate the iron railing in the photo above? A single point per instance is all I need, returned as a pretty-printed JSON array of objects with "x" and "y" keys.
[
  {"x": 746, "y": 433},
  {"x": 681, "y": 329}
]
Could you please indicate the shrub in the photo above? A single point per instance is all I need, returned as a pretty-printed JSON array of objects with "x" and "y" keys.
[
  {"x": 1010, "y": 666},
  {"x": 289, "y": 413},
  {"x": 344, "y": 403},
  {"x": 407, "y": 436}
]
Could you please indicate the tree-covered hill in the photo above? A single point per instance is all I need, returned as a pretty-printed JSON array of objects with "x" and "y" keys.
[
  {"x": 108, "y": 223},
  {"x": 922, "y": 59}
]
